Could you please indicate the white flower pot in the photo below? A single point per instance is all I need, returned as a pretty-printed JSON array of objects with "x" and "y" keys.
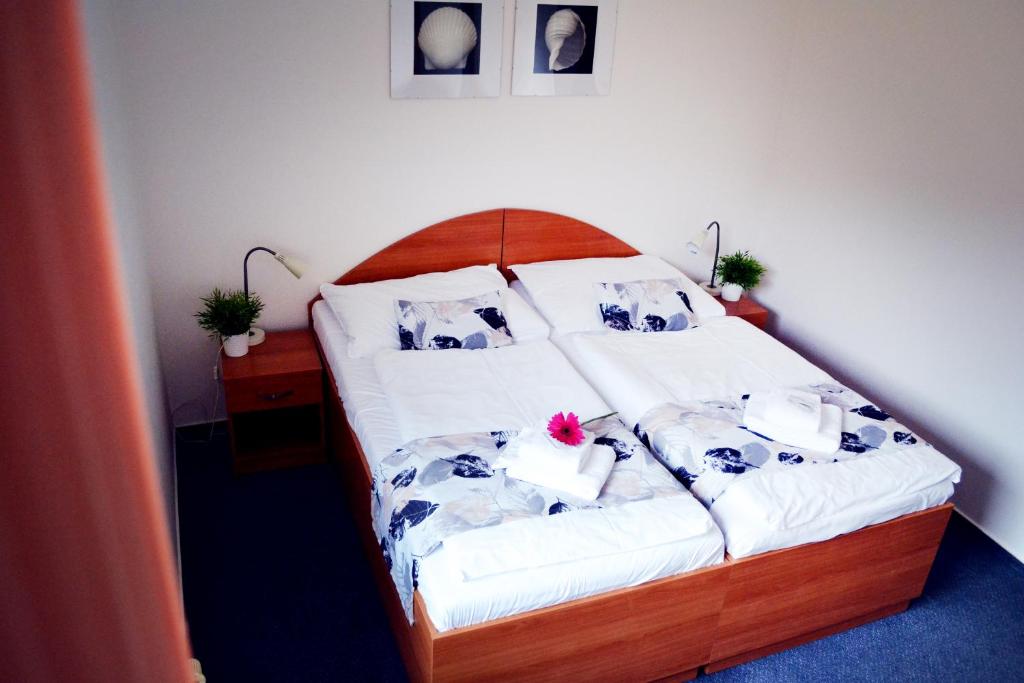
[
  {"x": 236, "y": 345},
  {"x": 731, "y": 292}
]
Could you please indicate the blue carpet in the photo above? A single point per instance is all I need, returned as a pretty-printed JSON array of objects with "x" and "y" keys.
[{"x": 277, "y": 589}]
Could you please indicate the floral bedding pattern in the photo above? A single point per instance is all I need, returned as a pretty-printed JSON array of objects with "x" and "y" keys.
[
  {"x": 645, "y": 306},
  {"x": 434, "y": 488},
  {"x": 705, "y": 445},
  {"x": 474, "y": 323}
]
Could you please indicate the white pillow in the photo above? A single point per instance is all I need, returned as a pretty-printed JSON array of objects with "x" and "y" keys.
[
  {"x": 367, "y": 310},
  {"x": 563, "y": 291}
]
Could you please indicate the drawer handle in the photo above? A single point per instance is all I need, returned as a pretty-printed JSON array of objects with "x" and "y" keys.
[{"x": 277, "y": 395}]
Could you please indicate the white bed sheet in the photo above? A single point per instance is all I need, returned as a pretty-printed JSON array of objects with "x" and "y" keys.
[
  {"x": 366, "y": 404},
  {"x": 450, "y": 599},
  {"x": 726, "y": 357}
]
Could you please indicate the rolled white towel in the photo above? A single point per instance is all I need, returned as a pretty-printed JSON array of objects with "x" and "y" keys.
[
  {"x": 793, "y": 409},
  {"x": 537, "y": 447},
  {"x": 586, "y": 484},
  {"x": 825, "y": 439}
]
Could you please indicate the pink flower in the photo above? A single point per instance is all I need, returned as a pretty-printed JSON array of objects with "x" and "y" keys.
[{"x": 566, "y": 428}]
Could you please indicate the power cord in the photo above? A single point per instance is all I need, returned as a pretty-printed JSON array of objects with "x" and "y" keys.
[{"x": 212, "y": 412}]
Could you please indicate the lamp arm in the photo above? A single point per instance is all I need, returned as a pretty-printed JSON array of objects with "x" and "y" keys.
[
  {"x": 718, "y": 242},
  {"x": 245, "y": 266}
]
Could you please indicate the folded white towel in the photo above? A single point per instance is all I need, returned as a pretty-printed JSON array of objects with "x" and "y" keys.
[
  {"x": 586, "y": 484},
  {"x": 538, "y": 448},
  {"x": 794, "y": 409},
  {"x": 825, "y": 439}
]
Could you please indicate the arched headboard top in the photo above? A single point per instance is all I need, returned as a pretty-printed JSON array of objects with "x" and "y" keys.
[
  {"x": 532, "y": 236},
  {"x": 470, "y": 240},
  {"x": 502, "y": 236}
]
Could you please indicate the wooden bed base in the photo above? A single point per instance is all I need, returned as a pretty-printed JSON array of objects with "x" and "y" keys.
[{"x": 668, "y": 629}]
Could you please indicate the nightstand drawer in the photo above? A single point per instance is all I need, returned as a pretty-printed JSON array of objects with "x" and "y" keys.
[{"x": 268, "y": 393}]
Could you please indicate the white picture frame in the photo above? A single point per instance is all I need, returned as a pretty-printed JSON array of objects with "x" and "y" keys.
[
  {"x": 586, "y": 29},
  {"x": 447, "y": 30}
]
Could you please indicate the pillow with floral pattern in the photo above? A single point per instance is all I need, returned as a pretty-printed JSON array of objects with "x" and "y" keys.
[
  {"x": 474, "y": 323},
  {"x": 645, "y": 306}
]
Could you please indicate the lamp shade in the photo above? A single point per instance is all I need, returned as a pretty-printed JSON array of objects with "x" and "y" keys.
[
  {"x": 697, "y": 241},
  {"x": 294, "y": 267}
]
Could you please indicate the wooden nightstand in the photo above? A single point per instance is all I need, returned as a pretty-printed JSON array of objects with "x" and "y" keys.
[
  {"x": 748, "y": 309},
  {"x": 275, "y": 403}
]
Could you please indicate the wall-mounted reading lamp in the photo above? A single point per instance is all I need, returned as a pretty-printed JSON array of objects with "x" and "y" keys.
[
  {"x": 694, "y": 246},
  {"x": 256, "y": 335}
]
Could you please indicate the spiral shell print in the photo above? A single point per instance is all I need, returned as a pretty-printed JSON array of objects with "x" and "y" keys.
[{"x": 566, "y": 39}]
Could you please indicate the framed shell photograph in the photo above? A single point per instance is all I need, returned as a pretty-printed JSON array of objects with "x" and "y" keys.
[
  {"x": 446, "y": 49},
  {"x": 564, "y": 48}
]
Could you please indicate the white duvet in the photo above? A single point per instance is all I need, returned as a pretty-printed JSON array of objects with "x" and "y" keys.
[
  {"x": 456, "y": 391},
  {"x": 726, "y": 357},
  {"x": 637, "y": 371}
]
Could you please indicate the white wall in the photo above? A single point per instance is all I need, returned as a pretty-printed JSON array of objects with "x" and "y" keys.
[
  {"x": 104, "y": 66},
  {"x": 891, "y": 211},
  {"x": 869, "y": 152}
]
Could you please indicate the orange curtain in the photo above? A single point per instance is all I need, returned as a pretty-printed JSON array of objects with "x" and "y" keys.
[{"x": 87, "y": 588}]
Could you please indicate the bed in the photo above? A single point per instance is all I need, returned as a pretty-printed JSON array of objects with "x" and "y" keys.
[
  {"x": 662, "y": 629},
  {"x": 398, "y": 398}
]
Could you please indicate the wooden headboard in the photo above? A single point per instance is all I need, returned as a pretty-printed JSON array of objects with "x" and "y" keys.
[
  {"x": 532, "y": 236},
  {"x": 502, "y": 236}
]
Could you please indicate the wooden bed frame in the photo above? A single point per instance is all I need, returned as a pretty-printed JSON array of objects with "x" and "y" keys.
[{"x": 668, "y": 629}]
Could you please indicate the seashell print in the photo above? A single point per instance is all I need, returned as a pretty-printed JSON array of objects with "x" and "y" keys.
[
  {"x": 566, "y": 38},
  {"x": 446, "y": 37}
]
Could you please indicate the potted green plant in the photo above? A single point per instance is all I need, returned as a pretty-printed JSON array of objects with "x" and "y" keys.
[
  {"x": 738, "y": 272},
  {"x": 229, "y": 315}
]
